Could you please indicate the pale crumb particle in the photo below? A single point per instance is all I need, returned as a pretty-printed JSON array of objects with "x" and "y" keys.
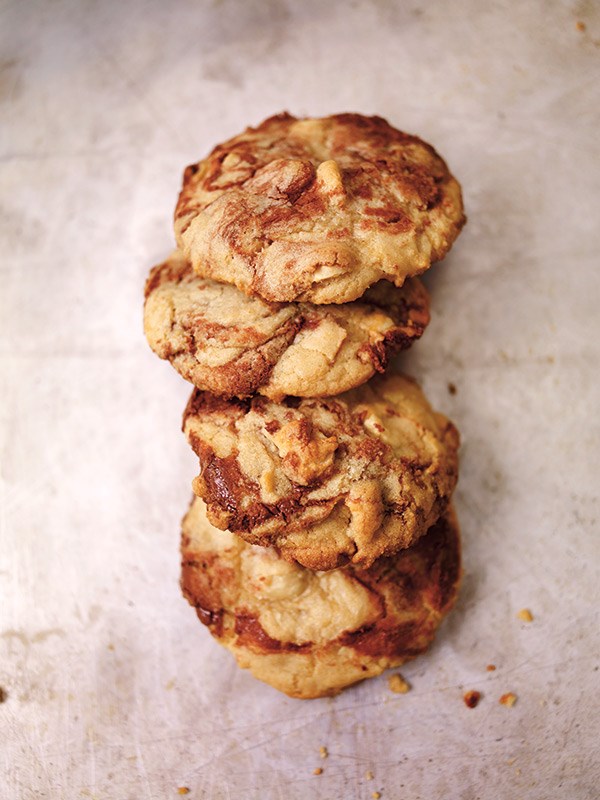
[
  {"x": 491, "y": 667},
  {"x": 398, "y": 684},
  {"x": 324, "y": 752},
  {"x": 318, "y": 771},
  {"x": 510, "y": 762},
  {"x": 369, "y": 775},
  {"x": 525, "y": 615},
  {"x": 508, "y": 699},
  {"x": 581, "y": 26},
  {"x": 518, "y": 771},
  {"x": 183, "y": 790},
  {"x": 110, "y": 647}
]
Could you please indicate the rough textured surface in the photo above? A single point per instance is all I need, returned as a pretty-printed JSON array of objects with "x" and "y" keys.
[
  {"x": 311, "y": 634},
  {"x": 230, "y": 344},
  {"x": 325, "y": 481},
  {"x": 112, "y": 690},
  {"x": 318, "y": 209}
]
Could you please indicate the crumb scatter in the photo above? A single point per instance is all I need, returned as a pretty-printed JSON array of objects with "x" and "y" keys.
[
  {"x": 398, "y": 684},
  {"x": 472, "y": 698},
  {"x": 508, "y": 699}
]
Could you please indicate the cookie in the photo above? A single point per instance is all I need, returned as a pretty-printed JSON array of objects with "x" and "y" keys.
[
  {"x": 230, "y": 344},
  {"x": 318, "y": 210},
  {"x": 329, "y": 480},
  {"x": 308, "y": 633}
]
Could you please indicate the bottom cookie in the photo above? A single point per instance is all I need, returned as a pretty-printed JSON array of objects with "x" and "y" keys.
[{"x": 311, "y": 634}]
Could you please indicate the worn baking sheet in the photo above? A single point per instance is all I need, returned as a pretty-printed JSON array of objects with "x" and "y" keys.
[{"x": 112, "y": 688}]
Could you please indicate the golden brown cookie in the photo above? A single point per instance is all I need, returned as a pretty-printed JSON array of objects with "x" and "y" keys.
[
  {"x": 308, "y": 633},
  {"x": 325, "y": 480},
  {"x": 318, "y": 209},
  {"x": 230, "y": 344}
]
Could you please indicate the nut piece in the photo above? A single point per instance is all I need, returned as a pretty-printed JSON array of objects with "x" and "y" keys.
[
  {"x": 398, "y": 684},
  {"x": 306, "y": 453},
  {"x": 508, "y": 699}
]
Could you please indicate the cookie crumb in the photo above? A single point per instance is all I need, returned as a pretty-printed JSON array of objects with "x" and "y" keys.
[
  {"x": 369, "y": 775},
  {"x": 376, "y": 795},
  {"x": 508, "y": 699},
  {"x": 471, "y": 698},
  {"x": 398, "y": 685},
  {"x": 491, "y": 667},
  {"x": 183, "y": 790},
  {"x": 510, "y": 762},
  {"x": 451, "y": 388},
  {"x": 525, "y": 615},
  {"x": 318, "y": 771},
  {"x": 3, "y": 695},
  {"x": 581, "y": 26},
  {"x": 323, "y": 752}
]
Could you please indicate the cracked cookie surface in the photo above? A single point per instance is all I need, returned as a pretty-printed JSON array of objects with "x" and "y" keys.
[
  {"x": 308, "y": 633},
  {"x": 329, "y": 480},
  {"x": 318, "y": 209},
  {"x": 230, "y": 344}
]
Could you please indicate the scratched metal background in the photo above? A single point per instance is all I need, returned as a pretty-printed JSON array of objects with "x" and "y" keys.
[{"x": 112, "y": 688}]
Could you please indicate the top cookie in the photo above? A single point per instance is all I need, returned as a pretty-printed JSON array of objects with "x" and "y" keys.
[
  {"x": 325, "y": 481},
  {"x": 318, "y": 209}
]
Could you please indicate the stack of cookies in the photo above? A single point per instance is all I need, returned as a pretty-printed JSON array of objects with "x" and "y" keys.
[{"x": 321, "y": 547}]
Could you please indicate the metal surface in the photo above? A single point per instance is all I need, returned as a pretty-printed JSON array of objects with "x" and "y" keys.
[{"x": 113, "y": 689}]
